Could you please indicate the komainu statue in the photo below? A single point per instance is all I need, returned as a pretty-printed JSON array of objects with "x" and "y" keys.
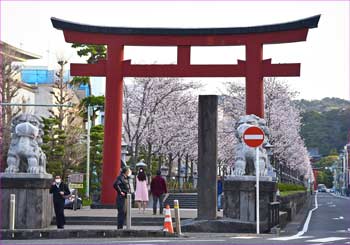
[
  {"x": 245, "y": 162},
  {"x": 25, "y": 154}
]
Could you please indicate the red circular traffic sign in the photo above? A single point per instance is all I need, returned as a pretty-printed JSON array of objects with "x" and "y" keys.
[{"x": 253, "y": 136}]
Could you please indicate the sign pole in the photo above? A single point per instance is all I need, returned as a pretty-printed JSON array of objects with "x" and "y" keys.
[
  {"x": 257, "y": 173},
  {"x": 87, "y": 192},
  {"x": 254, "y": 137}
]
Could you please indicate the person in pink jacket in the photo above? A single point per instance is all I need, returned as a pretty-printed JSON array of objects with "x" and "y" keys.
[{"x": 141, "y": 194}]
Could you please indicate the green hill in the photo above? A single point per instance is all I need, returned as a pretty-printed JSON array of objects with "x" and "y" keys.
[
  {"x": 326, "y": 104},
  {"x": 325, "y": 123}
]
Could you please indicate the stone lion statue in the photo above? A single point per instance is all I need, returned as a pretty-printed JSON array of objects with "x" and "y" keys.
[
  {"x": 25, "y": 154},
  {"x": 245, "y": 158}
]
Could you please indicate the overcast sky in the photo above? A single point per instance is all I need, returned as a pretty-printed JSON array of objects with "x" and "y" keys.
[{"x": 324, "y": 57}]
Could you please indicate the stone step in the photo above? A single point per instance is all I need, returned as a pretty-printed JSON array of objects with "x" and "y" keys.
[
  {"x": 90, "y": 220},
  {"x": 186, "y": 200}
]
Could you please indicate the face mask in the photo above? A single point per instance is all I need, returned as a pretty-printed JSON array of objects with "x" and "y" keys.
[{"x": 58, "y": 181}]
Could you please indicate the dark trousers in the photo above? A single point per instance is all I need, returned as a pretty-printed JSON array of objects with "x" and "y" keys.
[
  {"x": 59, "y": 212},
  {"x": 160, "y": 200},
  {"x": 121, "y": 211}
]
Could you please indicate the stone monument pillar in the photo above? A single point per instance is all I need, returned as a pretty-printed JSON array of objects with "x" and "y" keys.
[
  {"x": 26, "y": 177},
  {"x": 207, "y": 157}
]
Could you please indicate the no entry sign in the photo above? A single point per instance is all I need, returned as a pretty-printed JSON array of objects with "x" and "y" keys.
[{"x": 253, "y": 136}]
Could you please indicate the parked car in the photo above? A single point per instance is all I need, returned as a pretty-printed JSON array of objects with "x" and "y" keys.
[
  {"x": 69, "y": 202},
  {"x": 321, "y": 188}
]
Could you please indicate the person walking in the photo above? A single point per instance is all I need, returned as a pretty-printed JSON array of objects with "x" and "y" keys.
[
  {"x": 219, "y": 192},
  {"x": 121, "y": 185},
  {"x": 141, "y": 194},
  {"x": 158, "y": 189},
  {"x": 59, "y": 190}
]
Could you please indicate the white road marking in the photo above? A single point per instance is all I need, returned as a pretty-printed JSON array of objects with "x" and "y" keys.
[
  {"x": 253, "y": 137},
  {"x": 145, "y": 241},
  {"x": 347, "y": 198},
  {"x": 343, "y": 231},
  {"x": 340, "y": 217},
  {"x": 201, "y": 240},
  {"x": 332, "y": 206},
  {"x": 289, "y": 238},
  {"x": 327, "y": 239},
  {"x": 306, "y": 224},
  {"x": 244, "y": 237}
]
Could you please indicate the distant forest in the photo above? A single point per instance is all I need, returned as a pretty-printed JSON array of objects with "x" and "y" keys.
[{"x": 325, "y": 123}]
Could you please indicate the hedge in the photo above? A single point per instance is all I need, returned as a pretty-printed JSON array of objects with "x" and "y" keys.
[{"x": 290, "y": 187}]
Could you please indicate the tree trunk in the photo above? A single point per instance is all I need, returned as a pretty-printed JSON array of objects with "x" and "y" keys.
[
  {"x": 149, "y": 159},
  {"x": 178, "y": 169},
  {"x": 191, "y": 174},
  {"x": 136, "y": 156},
  {"x": 186, "y": 167},
  {"x": 170, "y": 165},
  {"x": 160, "y": 160}
]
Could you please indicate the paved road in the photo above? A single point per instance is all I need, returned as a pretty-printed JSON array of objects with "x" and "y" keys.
[{"x": 329, "y": 223}]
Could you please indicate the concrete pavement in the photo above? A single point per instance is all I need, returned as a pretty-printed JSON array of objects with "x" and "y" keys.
[
  {"x": 105, "y": 231},
  {"x": 329, "y": 223}
]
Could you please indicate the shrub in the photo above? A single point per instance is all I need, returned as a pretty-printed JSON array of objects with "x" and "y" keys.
[{"x": 290, "y": 187}]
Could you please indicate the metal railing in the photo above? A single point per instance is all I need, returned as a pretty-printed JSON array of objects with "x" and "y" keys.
[{"x": 288, "y": 175}]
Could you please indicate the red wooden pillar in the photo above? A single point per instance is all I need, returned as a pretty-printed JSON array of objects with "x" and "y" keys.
[
  {"x": 113, "y": 121},
  {"x": 254, "y": 79},
  {"x": 315, "y": 176}
]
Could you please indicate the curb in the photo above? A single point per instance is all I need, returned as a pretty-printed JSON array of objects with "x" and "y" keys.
[{"x": 62, "y": 234}]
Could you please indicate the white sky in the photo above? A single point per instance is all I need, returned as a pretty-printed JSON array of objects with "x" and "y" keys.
[{"x": 324, "y": 57}]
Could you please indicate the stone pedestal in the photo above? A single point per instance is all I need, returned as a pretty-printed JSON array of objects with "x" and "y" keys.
[
  {"x": 240, "y": 197},
  {"x": 34, "y": 207},
  {"x": 239, "y": 207}
]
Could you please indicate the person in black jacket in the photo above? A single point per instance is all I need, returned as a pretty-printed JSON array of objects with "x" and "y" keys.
[
  {"x": 59, "y": 191},
  {"x": 121, "y": 185}
]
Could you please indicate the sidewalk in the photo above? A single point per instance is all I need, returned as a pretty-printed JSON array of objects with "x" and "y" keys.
[
  {"x": 95, "y": 230},
  {"x": 88, "y": 212},
  {"x": 296, "y": 225},
  {"x": 100, "y": 231}
]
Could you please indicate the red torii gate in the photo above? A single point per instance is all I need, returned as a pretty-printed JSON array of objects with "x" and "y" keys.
[{"x": 114, "y": 68}]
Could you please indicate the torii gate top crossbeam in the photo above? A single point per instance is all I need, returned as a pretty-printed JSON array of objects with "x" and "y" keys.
[
  {"x": 293, "y": 31},
  {"x": 306, "y": 23}
]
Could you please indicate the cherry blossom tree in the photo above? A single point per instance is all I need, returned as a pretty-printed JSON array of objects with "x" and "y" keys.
[
  {"x": 282, "y": 117},
  {"x": 153, "y": 110}
]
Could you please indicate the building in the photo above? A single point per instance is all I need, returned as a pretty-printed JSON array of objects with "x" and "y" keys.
[
  {"x": 13, "y": 90},
  {"x": 347, "y": 167},
  {"x": 42, "y": 78},
  {"x": 25, "y": 94},
  {"x": 27, "y": 86}
]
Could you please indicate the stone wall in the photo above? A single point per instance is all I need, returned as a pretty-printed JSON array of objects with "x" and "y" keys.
[{"x": 294, "y": 203}]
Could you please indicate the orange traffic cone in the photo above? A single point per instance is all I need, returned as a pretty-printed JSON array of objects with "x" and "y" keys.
[{"x": 168, "y": 223}]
